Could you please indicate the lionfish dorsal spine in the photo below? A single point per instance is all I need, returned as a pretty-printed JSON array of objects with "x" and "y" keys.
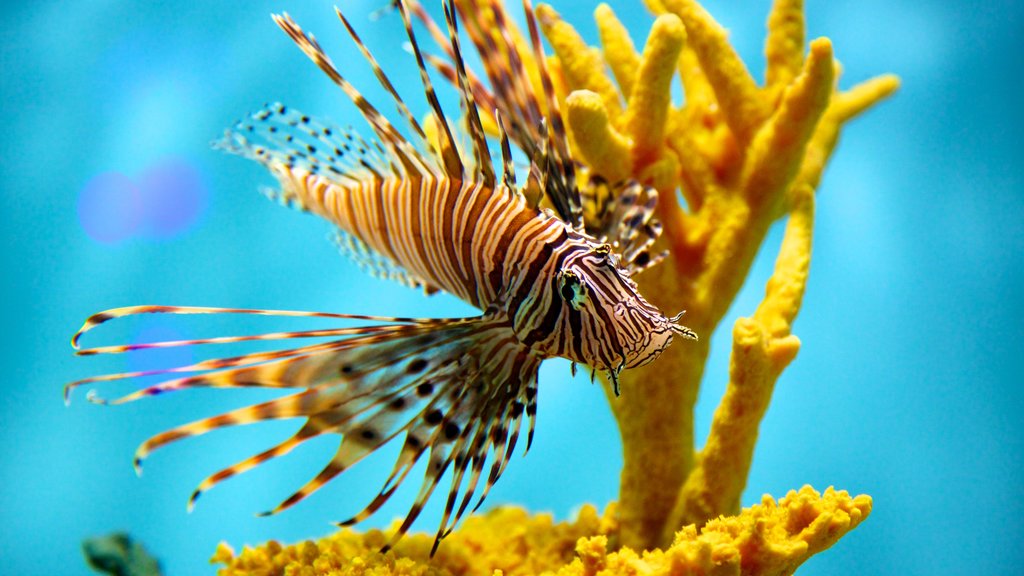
[
  {"x": 382, "y": 77},
  {"x": 411, "y": 162},
  {"x": 481, "y": 152},
  {"x": 449, "y": 151},
  {"x": 508, "y": 167}
]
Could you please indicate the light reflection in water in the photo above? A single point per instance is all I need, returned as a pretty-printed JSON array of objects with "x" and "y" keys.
[
  {"x": 161, "y": 203},
  {"x": 174, "y": 195},
  {"x": 110, "y": 207},
  {"x": 155, "y": 330}
]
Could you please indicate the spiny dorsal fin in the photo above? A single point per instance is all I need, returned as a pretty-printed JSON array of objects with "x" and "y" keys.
[
  {"x": 448, "y": 149},
  {"x": 513, "y": 95},
  {"x": 508, "y": 172},
  {"x": 408, "y": 157},
  {"x": 481, "y": 153},
  {"x": 382, "y": 78},
  {"x": 566, "y": 196}
]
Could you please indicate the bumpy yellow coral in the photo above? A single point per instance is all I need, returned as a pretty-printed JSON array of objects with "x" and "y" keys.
[
  {"x": 741, "y": 156},
  {"x": 508, "y": 540},
  {"x": 768, "y": 538}
]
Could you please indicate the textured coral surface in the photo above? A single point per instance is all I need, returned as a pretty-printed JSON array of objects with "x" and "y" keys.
[{"x": 767, "y": 538}]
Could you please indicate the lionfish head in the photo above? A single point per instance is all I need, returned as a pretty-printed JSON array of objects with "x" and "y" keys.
[{"x": 607, "y": 323}]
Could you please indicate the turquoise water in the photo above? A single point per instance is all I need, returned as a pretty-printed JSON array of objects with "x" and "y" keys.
[{"x": 907, "y": 388}]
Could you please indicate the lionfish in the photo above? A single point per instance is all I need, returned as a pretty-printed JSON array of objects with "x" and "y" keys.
[{"x": 549, "y": 283}]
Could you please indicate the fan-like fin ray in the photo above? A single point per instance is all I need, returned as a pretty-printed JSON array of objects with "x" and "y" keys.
[
  {"x": 451, "y": 388},
  {"x": 114, "y": 313}
]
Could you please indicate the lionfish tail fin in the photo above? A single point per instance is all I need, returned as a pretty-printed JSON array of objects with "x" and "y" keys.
[{"x": 453, "y": 390}]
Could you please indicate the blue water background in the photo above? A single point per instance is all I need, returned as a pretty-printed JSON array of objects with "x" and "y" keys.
[{"x": 908, "y": 386}]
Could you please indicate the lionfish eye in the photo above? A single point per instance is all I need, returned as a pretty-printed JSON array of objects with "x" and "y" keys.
[{"x": 571, "y": 288}]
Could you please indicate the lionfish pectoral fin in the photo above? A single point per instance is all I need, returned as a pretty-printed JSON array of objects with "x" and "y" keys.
[
  {"x": 231, "y": 372},
  {"x": 476, "y": 394},
  {"x": 453, "y": 389}
]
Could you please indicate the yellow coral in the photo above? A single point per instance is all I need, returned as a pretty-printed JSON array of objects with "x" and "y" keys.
[
  {"x": 768, "y": 538},
  {"x": 742, "y": 156},
  {"x": 506, "y": 540}
]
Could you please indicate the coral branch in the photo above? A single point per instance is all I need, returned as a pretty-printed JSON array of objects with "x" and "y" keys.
[
  {"x": 507, "y": 540},
  {"x": 777, "y": 151},
  {"x": 656, "y": 7},
  {"x": 581, "y": 65},
  {"x": 619, "y": 52},
  {"x": 766, "y": 539},
  {"x": 735, "y": 89},
  {"x": 785, "y": 290},
  {"x": 602, "y": 147},
  {"x": 742, "y": 157},
  {"x": 762, "y": 348},
  {"x": 649, "y": 101},
  {"x": 785, "y": 44},
  {"x": 863, "y": 96},
  {"x": 700, "y": 96},
  {"x": 656, "y": 425},
  {"x": 844, "y": 107}
]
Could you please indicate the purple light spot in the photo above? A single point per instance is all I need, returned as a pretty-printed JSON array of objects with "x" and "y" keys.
[
  {"x": 109, "y": 207},
  {"x": 158, "y": 358},
  {"x": 174, "y": 195}
]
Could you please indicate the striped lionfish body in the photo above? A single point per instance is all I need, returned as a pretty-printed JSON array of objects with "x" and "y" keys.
[{"x": 548, "y": 283}]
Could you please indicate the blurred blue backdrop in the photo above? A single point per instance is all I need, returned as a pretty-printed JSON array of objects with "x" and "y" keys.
[{"x": 908, "y": 387}]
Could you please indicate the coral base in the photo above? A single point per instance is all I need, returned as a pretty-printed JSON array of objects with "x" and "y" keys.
[{"x": 767, "y": 538}]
